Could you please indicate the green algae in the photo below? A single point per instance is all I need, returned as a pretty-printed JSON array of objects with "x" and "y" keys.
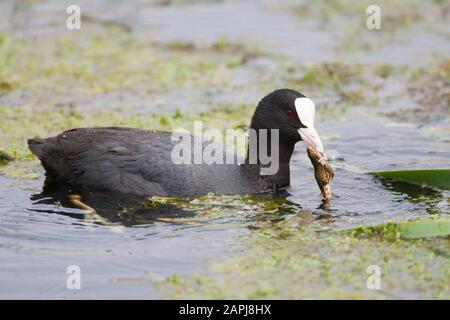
[
  {"x": 347, "y": 20},
  {"x": 415, "y": 229},
  {"x": 292, "y": 262},
  {"x": 331, "y": 75},
  {"x": 101, "y": 62},
  {"x": 342, "y": 83},
  {"x": 259, "y": 209},
  {"x": 285, "y": 257},
  {"x": 68, "y": 70},
  {"x": 430, "y": 90}
]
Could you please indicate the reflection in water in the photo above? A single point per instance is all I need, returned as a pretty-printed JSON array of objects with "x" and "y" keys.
[
  {"x": 429, "y": 197},
  {"x": 413, "y": 191},
  {"x": 129, "y": 210},
  {"x": 326, "y": 205},
  {"x": 110, "y": 207},
  {"x": 113, "y": 208}
]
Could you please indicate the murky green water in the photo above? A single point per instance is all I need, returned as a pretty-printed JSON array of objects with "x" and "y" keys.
[
  {"x": 122, "y": 253},
  {"x": 131, "y": 245}
]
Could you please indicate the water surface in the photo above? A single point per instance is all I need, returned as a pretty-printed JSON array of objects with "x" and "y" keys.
[
  {"x": 122, "y": 254},
  {"x": 128, "y": 246}
]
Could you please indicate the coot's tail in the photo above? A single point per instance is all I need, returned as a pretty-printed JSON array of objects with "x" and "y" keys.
[
  {"x": 52, "y": 159},
  {"x": 37, "y": 147}
]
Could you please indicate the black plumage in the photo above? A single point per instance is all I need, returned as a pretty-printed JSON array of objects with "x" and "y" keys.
[{"x": 136, "y": 161}]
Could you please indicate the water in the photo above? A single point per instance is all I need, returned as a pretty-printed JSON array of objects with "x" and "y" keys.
[
  {"x": 39, "y": 241},
  {"x": 123, "y": 254},
  {"x": 269, "y": 23}
]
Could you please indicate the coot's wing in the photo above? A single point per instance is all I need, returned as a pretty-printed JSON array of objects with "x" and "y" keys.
[{"x": 119, "y": 159}]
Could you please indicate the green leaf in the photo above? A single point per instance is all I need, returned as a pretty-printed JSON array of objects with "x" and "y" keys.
[
  {"x": 414, "y": 229},
  {"x": 439, "y": 178},
  {"x": 424, "y": 228}
]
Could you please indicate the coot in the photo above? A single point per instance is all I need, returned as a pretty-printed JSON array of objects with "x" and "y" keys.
[{"x": 140, "y": 162}]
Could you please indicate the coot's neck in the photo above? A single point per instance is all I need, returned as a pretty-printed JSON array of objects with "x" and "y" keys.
[{"x": 286, "y": 147}]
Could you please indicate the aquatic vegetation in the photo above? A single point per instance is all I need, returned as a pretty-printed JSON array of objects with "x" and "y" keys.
[
  {"x": 219, "y": 206},
  {"x": 5, "y": 158},
  {"x": 295, "y": 262},
  {"x": 434, "y": 178},
  {"x": 342, "y": 84},
  {"x": 386, "y": 70},
  {"x": 431, "y": 90},
  {"x": 331, "y": 75},
  {"x": 69, "y": 70},
  {"x": 347, "y": 20},
  {"x": 415, "y": 229},
  {"x": 87, "y": 80},
  {"x": 97, "y": 64}
]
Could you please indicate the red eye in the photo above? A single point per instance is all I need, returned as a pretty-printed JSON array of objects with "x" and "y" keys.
[{"x": 289, "y": 114}]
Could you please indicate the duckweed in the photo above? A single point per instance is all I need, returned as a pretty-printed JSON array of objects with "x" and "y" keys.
[{"x": 284, "y": 261}]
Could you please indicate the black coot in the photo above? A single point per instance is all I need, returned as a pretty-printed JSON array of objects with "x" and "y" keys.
[{"x": 139, "y": 162}]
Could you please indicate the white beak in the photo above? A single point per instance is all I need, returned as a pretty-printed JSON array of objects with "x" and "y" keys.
[
  {"x": 306, "y": 111},
  {"x": 312, "y": 138}
]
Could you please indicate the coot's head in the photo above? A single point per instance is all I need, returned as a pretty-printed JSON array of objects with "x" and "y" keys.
[{"x": 292, "y": 114}]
